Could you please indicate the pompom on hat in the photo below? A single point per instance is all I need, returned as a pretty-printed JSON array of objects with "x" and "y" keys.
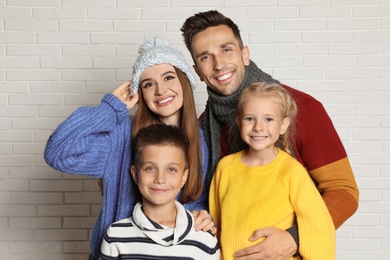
[{"x": 158, "y": 51}]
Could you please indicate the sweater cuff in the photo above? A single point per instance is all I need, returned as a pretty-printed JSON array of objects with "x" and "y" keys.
[
  {"x": 117, "y": 105},
  {"x": 294, "y": 233}
]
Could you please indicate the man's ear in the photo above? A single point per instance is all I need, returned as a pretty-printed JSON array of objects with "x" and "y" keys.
[
  {"x": 285, "y": 125},
  {"x": 197, "y": 72},
  {"x": 134, "y": 174},
  {"x": 246, "y": 55},
  {"x": 184, "y": 179}
]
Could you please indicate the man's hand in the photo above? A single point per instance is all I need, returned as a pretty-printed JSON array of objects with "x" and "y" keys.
[
  {"x": 203, "y": 221},
  {"x": 277, "y": 245},
  {"x": 123, "y": 92}
]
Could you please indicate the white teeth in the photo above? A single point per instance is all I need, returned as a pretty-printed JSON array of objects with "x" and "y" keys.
[
  {"x": 225, "y": 76},
  {"x": 165, "y": 100},
  {"x": 258, "y": 137}
]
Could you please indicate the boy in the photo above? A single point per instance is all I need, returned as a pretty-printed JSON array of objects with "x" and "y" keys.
[{"x": 160, "y": 226}]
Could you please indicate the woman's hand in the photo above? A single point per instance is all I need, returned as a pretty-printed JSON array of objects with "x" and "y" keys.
[
  {"x": 204, "y": 221},
  {"x": 123, "y": 92}
]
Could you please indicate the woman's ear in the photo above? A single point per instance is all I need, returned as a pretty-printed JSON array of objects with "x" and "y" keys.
[
  {"x": 134, "y": 174},
  {"x": 285, "y": 125}
]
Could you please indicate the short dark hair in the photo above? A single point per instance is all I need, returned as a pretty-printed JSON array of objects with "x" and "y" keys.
[
  {"x": 203, "y": 20},
  {"x": 160, "y": 135}
]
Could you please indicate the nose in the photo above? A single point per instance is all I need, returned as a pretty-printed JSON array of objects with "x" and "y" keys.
[
  {"x": 159, "y": 178},
  {"x": 161, "y": 88},
  {"x": 219, "y": 62},
  {"x": 258, "y": 126}
]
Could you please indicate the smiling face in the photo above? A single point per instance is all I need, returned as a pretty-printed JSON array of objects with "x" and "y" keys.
[
  {"x": 261, "y": 122},
  {"x": 220, "y": 61},
  {"x": 162, "y": 92},
  {"x": 160, "y": 175}
]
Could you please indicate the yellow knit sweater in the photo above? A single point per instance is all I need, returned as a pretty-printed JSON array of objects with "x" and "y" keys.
[{"x": 244, "y": 199}]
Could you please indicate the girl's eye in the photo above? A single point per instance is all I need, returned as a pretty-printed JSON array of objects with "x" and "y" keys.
[{"x": 250, "y": 119}]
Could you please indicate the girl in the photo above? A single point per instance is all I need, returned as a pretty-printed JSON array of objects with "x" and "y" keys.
[
  {"x": 160, "y": 227},
  {"x": 96, "y": 141},
  {"x": 263, "y": 186}
]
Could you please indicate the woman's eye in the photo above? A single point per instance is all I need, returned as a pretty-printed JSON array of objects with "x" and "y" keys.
[
  {"x": 147, "y": 85},
  {"x": 169, "y": 78}
]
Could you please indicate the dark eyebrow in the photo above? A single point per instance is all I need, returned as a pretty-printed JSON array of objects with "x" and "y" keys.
[
  {"x": 168, "y": 72},
  {"x": 226, "y": 44},
  {"x": 223, "y": 45},
  {"x": 162, "y": 74},
  {"x": 201, "y": 54}
]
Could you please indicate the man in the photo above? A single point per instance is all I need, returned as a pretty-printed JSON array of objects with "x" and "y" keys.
[{"x": 223, "y": 63}]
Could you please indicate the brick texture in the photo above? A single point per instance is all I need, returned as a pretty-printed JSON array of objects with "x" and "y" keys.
[{"x": 58, "y": 55}]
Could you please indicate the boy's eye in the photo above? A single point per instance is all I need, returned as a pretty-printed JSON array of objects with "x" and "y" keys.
[
  {"x": 172, "y": 169},
  {"x": 149, "y": 168},
  {"x": 268, "y": 119}
]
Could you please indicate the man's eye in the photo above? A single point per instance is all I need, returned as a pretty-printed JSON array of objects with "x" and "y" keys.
[{"x": 203, "y": 58}]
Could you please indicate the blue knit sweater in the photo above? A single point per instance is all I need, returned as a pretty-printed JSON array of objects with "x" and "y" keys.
[{"x": 95, "y": 141}]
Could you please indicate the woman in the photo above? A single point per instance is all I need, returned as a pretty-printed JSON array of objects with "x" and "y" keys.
[{"x": 96, "y": 141}]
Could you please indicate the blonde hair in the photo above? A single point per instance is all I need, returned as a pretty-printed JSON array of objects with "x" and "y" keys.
[{"x": 280, "y": 96}]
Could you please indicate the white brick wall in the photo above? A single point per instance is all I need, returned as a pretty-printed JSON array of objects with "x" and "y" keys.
[{"x": 58, "y": 55}]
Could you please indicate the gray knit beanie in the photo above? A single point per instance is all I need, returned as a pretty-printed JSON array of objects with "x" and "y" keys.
[{"x": 158, "y": 51}]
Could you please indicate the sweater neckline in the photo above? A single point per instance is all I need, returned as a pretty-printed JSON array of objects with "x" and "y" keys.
[{"x": 262, "y": 168}]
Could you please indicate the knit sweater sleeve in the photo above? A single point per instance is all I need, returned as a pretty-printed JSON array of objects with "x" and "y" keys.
[
  {"x": 80, "y": 145},
  {"x": 318, "y": 147},
  {"x": 315, "y": 226}
]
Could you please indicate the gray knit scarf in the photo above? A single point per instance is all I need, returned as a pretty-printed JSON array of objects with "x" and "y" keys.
[{"x": 222, "y": 110}]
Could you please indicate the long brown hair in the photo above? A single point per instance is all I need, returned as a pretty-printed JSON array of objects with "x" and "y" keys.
[
  {"x": 189, "y": 125},
  {"x": 278, "y": 95}
]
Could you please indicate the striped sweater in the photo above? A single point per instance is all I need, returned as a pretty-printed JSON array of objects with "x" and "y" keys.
[{"x": 138, "y": 237}]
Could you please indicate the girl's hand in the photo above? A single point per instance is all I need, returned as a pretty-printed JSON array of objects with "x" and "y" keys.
[
  {"x": 123, "y": 92},
  {"x": 204, "y": 221}
]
